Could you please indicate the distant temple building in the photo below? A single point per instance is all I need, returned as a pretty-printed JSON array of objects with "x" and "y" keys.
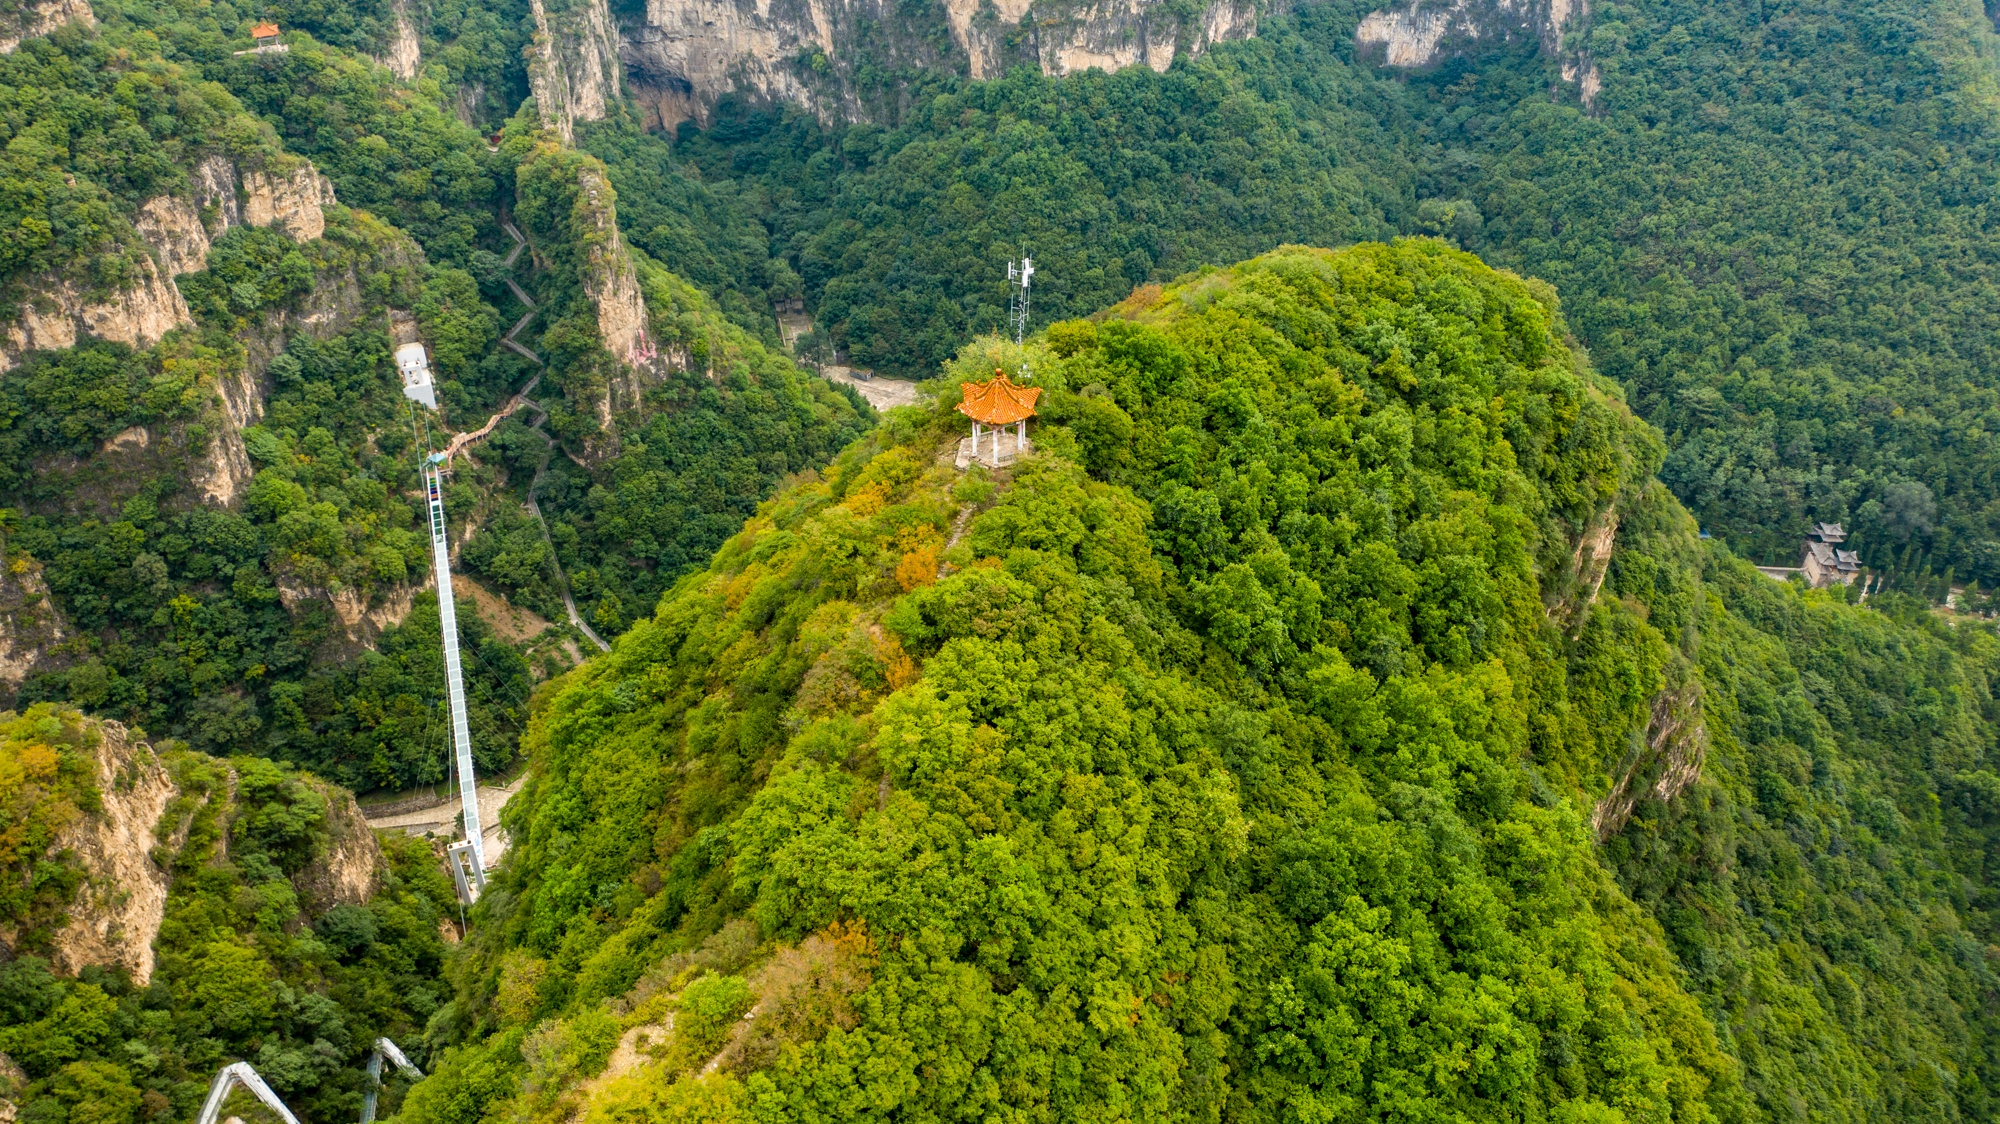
[
  {"x": 1823, "y": 562},
  {"x": 997, "y": 403}
]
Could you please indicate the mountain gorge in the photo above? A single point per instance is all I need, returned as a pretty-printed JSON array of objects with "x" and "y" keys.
[{"x": 1360, "y": 704}]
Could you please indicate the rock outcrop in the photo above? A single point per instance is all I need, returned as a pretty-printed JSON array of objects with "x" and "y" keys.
[
  {"x": 292, "y": 199},
  {"x": 31, "y": 627},
  {"x": 613, "y": 286},
  {"x": 224, "y": 475},
  {"x": 405, "y": 57},
  {"x": 172, "y": 226},
  {"x": 1666, "y": 760},
  {"x": 349, "y": 871},
  {"x": 40, "y": 17},
  {"x": 126, "y": 851},
  {"x": 335, "y": 304},
  {"x": 1577, "y": 585},
  {"x": 573, "y": 66},
  {"x": 180, "y": 229},
  {"x": 117, "y": 911},
  {"x": 687, "y": 54},
  {"x": 59, "y": 311},
  {"x": 363, "y": 613},
  {"x": 1417, "y": 34}
]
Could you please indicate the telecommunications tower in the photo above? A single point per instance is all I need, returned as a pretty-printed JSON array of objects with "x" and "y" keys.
[{"x": 1020, "y": 274}]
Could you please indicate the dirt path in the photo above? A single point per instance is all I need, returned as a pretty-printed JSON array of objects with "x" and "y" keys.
[{"x": 881, "y": 392}]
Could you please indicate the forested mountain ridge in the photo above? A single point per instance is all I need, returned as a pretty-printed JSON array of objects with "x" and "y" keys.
[
  {"x": 1771, "y": 223},
  {"x": 1235, "y": 757},
  {"x": 1338, "y": 716},
  {"x": 211, "y": 525}
]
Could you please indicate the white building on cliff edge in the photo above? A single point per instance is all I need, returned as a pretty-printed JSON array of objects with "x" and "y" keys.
[{"x": 414, "y": 363}]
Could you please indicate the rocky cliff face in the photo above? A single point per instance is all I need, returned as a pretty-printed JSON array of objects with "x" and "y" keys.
[
  {"x": 1418, "y": 34},
  {"x": 573, "y": 64},
  {"x": 60, "y": 311},
  {"x": 31, "y": 627},
  {"x": 350, "y": 870},
  {"x": 613, "y": 286},
  {"x": 405, "y": 58},
  {"x": 40, "y": 17},
  {"x": 687, "y": 54},
  {"x": 117, "y": 912},
  {"x": 292, "y": 199},
  {"x": 335, "y": 304},
  {"x": 125, "y": 852}
]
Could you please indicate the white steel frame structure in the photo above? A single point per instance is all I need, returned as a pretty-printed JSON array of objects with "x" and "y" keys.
[
  {"x": 240, "y": 1073},
  {"x": 1020, "y": 275},
  {"x": 384, "y": 1049},
  {"x": 468, "y": 858},
  {"x": 232, "y": 1075}
]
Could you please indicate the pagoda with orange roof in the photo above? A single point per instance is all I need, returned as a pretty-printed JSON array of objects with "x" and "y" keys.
[
  {"x": 265, "y": 35},
  {"x": 998, "y": 403}
]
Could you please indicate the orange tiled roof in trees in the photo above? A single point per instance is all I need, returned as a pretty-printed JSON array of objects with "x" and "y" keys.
[
  {"x": 264, "y": 31},
  {"x": 998, "y": 402}
]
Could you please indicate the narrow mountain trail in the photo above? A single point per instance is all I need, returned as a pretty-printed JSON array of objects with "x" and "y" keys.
[{"x": 462, "y": 442}]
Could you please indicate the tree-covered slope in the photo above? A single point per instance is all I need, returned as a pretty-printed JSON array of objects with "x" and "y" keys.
[
  {"x": 1776, "y": 230},
  {"x": 217, "y": 525},
  {"x": 1235, "y": 757},
  {"x": 1773, "y": 225},
  {"x": 257, "y": 919},
  {"x": 88, "y": 137}
]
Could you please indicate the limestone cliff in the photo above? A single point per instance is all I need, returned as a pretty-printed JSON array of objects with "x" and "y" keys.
[
  {"x": 59, "y": 311},
  {"x": 687, "y": 54},
  {"x": 348, "y": 870},
  {"x": 363, "y": 614},
  {"x": 573, "y": 64},
  {"x": 125, "y": 849},
  {"x": 31, "y": 627},
  {"x": 40, "y": 17},
  {"x": 613, "y": 286},
  {"x": 405, "y": 58},
  {"x": 117, "y": 911},
  {"x": 294, "y": 199},
  {"x": 335, "y": 304},
  {"x": 1415, "y": 35}
]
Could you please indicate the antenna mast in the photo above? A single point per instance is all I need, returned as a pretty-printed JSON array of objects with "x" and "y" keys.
[{"x": 1019, "y": 276}]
